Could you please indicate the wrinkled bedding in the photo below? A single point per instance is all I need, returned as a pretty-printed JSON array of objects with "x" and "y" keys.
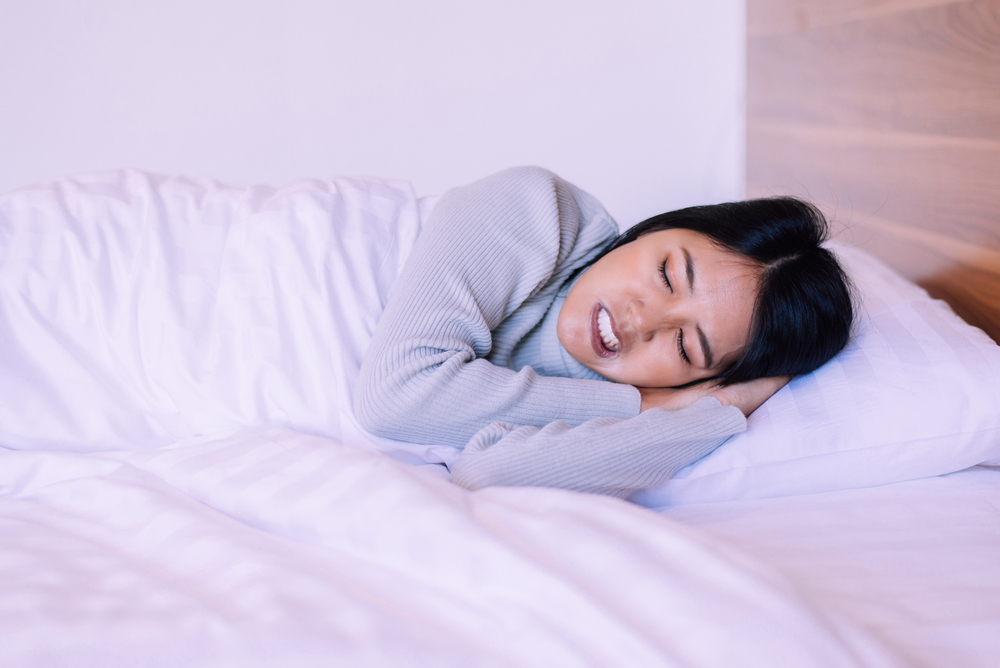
[
  {"x": 182, "y": 481},
  {"x": 137, "y": 310},
  {"x": 270, "y": 547}
]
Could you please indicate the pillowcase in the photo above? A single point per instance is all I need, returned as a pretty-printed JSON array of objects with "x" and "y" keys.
[{"x": 915, "y": 394}]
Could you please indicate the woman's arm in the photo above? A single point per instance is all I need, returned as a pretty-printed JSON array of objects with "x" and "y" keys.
[
  {"x": 508, "y": 241},
  {"x": 604, "y": 456}
]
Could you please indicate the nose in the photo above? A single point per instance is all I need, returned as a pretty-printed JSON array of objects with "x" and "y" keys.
[{"x": 651, "y": 316}]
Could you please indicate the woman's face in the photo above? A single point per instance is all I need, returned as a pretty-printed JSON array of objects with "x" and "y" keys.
[{"x": 669, "y": 308}]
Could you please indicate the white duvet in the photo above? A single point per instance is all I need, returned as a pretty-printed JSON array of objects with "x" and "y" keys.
[
  {"x": 182, "y": 483},
  {"x": 271, "y": 547},
  {"x": 137, "y": 310}
]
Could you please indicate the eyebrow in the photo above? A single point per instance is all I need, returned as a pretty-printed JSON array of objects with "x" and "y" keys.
[
  {"x": 689, "y": 269},
  {"x": 706, "y": 350}
]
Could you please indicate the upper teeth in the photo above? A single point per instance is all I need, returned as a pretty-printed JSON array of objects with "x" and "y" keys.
[{"x": 607, "y": 334}]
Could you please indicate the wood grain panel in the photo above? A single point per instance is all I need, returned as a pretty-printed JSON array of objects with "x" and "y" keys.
[
  {"x": 966, "y": 277},
  {"x": 785, "y": 16},
  {"x": 887, "y": 114},
  {"x": 934, "y": 70},
  {"x": 928, "y": 181}
]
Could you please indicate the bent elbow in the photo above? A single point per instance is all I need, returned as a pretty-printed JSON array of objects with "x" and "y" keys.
[
  {"x": 371, "y": 409},
  {"x": 402, "y": 412},
  {"x": 405, "y": 406}
]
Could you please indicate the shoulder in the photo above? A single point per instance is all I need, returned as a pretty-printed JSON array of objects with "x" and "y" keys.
[
  {"x": 527, "y": 176},
  {"x": 531, "y": 218},
  {"x": 512, "y": 191},
  {"x": 531, "y": 199}
]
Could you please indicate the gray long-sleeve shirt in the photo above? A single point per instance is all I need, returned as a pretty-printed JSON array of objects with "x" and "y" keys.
[{"x": 456, "y": 353}]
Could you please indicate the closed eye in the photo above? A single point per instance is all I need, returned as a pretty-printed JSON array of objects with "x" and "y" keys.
[
  {"x": 663, "y": 274},
  {"x": 680, "y": 346}
]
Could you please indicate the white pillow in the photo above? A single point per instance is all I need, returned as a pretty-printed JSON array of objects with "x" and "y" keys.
[{"x": 916, "y": 394}]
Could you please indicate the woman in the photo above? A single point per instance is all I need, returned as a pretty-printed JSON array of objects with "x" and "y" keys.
[{"x": 520, "y": 302}]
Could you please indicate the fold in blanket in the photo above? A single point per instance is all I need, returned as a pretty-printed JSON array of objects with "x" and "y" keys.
[{"x": 270, "y": 547}]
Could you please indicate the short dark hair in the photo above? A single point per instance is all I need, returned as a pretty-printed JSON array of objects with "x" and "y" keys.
[{"x": 804, "y": 310}]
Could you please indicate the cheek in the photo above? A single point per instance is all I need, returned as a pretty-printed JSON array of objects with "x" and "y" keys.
[
  {"x": 573, "y": 330},
  {"x": 654, "y": 368},
  {"x": 568, "y": 326}
]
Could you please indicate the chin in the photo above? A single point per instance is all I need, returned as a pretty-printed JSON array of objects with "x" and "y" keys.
[{"x": 608, "y": 374}]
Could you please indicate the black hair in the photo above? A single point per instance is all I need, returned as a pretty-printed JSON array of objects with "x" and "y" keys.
[{"x": 804, "y": 311}]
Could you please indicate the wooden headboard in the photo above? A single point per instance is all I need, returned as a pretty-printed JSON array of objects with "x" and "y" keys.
[{"x": 886, "y": 113}]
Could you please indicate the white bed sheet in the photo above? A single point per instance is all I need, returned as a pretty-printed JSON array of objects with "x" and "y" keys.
[
  {"x": 271, "y": 547},
  {"x": 917, "y": 563}
]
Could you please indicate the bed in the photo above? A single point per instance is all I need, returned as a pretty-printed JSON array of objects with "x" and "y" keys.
[{"x": 182, "y": 481}]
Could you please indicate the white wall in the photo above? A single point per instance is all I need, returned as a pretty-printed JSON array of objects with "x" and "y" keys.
[{"x": 638, "y": 101}]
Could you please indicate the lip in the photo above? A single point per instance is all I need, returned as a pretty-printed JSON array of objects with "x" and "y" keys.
[{"x": 595, "y": 333}]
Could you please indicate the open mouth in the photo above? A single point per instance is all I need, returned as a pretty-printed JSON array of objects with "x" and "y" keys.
[{"x": 603, "y": 337}]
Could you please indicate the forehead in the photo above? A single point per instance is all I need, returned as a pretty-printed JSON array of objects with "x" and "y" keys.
[
  {"x": 680, "y": 235},
  {"x": 702, "y": 249}
]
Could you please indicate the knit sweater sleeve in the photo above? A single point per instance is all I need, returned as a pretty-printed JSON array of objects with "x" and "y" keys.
[
  {"x": 487, "y": 250},
  {"x": 603, "y": 456}
]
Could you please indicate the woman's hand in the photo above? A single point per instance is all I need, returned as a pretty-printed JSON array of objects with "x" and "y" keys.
[
  {"x": 749, "y": 396},
  {"x": 746, "y": 396},
  {"x": 674, "y": 400}
]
